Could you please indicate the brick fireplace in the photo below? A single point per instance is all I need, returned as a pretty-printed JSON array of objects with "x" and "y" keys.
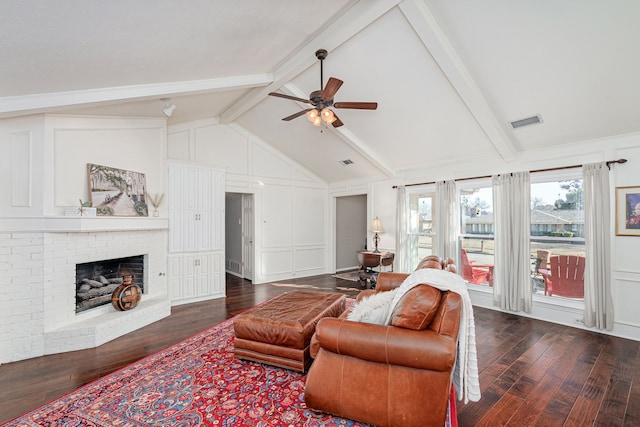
[{"x": 39, "y": 306}]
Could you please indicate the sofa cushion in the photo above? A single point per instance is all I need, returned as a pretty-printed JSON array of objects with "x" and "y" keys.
[
  {"x": 417, "y": 308},
  {"x": 373, "y": 308}
]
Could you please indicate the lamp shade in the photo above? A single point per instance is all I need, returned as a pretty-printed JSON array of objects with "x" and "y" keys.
[{"x": 376, "y": 226}]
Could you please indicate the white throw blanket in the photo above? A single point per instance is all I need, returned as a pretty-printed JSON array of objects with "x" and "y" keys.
[{"x": 465, "y": 374}]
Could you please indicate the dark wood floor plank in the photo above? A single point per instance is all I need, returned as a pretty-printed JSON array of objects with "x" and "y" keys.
[
  {"x": 531, "y": 377},
  {"x": 501, "y": 412},
  {"x": 614, "y": 402},
  {"x": 632, "y": 413},
  {"x": 585, "y": 410},
  {"x": 565, "y": 397},
  {"x": 528, "y": 413},
  {"x": 531, "y": 372}
]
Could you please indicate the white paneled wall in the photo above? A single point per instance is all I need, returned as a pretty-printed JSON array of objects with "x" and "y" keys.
[
  {"x": 290, "y": 210},
  {"x": 626, "y": 269}
]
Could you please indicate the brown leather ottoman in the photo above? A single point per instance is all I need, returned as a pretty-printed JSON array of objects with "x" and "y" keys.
[{"x": 279, "y": 332}]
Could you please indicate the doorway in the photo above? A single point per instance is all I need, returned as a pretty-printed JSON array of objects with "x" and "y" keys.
[
  {"x": 351, "y": 230},
  {"x": 239, "y": 235}
]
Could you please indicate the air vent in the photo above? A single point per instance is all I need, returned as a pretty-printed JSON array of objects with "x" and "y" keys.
[
  {"x": 346, "y": 162},
  {"x": 526, "y": 122}
]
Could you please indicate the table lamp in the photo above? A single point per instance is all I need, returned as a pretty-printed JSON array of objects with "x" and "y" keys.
[{"x": 376, "y": 227}]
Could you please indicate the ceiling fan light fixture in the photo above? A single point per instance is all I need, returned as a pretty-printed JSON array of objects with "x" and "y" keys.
[
  {"x": 327, "y": 115},
  {"x": 317, "y": 121},
  {"x": 312, "y": 114}
]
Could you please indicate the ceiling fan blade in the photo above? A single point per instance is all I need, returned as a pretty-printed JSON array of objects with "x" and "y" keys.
[
  {"x": 298, "y": 114},
  {"x": 293, "y": 98},
  {"x": 331, "y": 88},
  {"x": 337, "y": 122},
  {"x": 357, "y": 105}
]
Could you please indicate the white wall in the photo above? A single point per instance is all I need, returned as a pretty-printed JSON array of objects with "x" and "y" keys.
[
  {"x": 290, "y": 210},
  {"x": 625, "y": 249}
]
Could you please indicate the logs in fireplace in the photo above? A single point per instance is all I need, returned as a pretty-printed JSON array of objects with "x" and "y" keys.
[{"x": 96, "y": 281}]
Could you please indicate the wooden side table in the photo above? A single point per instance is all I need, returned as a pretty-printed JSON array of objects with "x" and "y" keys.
[{"x": 368, "y": 262}]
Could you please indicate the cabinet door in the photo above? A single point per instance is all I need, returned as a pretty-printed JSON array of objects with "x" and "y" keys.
[
  {"x": 190, "y": 195},
  {"x": 203, "y": 217},
  {"x": 217, "y": 211},
  {"x": 196, "y": 209},
  {"x": 203, "y": 266},
  {"x": 189, "y": 276},
  {"x": 217, "y": 274},
  {"x": 175, "y": 277},
  {"x": 176, "y": 215}
]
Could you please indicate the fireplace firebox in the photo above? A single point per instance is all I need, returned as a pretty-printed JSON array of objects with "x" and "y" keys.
[{"x": 96, "y": 281}]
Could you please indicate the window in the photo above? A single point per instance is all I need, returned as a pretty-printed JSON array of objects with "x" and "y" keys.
[
  {"x": 557, "y": 207},
  {"x": 477, "y": 228},
  {"x": 420, "y": 228}
]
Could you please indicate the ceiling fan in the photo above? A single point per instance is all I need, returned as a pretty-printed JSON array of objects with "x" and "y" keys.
[{"x": 323, "y": 99}]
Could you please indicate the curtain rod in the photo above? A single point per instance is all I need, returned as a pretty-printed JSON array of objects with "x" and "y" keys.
[{"x": 609, "y": 163}]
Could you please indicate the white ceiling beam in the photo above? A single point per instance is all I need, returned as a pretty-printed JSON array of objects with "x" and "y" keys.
[
  {"x": 338, "y": 32},
  {"x": 436, "y": 42},
  {"x": 45, "y": 101},
  {"x": 346, "y": 135}
]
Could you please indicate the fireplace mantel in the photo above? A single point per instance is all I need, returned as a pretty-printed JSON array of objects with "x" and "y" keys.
[{"x": 70, "y": 224}]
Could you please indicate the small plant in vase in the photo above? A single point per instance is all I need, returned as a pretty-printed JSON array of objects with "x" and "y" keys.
[
  {"x": 83, "y": 205},
  {"x": 155, "y": 201}
]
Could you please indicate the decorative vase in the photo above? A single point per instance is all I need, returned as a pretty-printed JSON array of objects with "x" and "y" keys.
[{"x": 127, "y": 295}]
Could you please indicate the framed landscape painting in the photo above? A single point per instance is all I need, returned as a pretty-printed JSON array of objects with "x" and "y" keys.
[
  {"x": 628, "y": 211},
  {"x": 117, "y": 192}
]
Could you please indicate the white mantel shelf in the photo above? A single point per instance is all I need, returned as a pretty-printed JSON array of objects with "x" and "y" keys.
[{"x": 71, "y": 224}]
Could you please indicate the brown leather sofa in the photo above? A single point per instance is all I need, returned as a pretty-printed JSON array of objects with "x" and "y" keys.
[{"x": 388, "y": 375}]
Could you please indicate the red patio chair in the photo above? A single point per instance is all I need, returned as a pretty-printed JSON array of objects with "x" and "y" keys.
[
  {"x": 473, "y": 273},
  {"x": 565, "y": 277}
]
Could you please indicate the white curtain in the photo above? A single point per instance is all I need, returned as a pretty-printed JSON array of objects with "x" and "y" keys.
[
  {"x": 512, "y": 216},
  {"x": 598, "y": 303},
  {"x": 447, "y": 220},
  {"x": 402, "y": 246}
]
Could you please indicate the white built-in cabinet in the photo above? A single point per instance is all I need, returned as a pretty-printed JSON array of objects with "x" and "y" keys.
[{"x": 196, "y": 233}]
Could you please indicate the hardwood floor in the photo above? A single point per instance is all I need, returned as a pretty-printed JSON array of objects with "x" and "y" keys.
[{"x": 532, "y": 373}]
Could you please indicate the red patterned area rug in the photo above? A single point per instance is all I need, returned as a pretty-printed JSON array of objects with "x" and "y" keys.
[{"x": 197, "y": 382}]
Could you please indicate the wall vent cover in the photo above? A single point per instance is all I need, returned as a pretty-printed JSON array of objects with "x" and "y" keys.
[
  {"x": 526, "y": 121},
  {"x": 346, "y": 162}
]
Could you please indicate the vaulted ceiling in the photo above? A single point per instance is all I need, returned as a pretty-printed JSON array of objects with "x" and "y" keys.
[{"x": 448, "y": 75}]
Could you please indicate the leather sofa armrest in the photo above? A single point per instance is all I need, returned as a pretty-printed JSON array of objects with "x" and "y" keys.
[{"x": 423, "y": 349}]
